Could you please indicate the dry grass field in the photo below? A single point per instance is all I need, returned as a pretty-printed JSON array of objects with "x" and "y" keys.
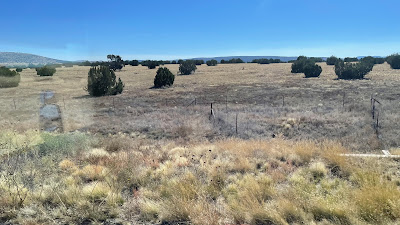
[
  {"x": 267, "y": 99},
  {"x": 156, "y": 156}
]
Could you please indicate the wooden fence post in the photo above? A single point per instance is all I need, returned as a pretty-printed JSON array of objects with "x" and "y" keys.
[{"x": 236, "y": 122}]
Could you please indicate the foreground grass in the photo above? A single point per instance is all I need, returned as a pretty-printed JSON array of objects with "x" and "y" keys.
[{"x": 85, "y": 179}]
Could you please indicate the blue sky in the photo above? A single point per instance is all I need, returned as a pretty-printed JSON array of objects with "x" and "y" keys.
[{"x": 91, "y": 29}]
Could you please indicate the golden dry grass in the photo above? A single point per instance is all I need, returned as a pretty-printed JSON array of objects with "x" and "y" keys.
[{"x": 231, "y": 181}]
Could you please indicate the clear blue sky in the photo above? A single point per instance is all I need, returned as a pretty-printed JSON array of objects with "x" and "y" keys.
[{"x": 91, "y": 29}]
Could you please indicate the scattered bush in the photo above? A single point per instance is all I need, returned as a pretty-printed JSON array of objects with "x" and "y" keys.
[
  {"x": 298, "y": 66},
  {"x": 372, "y": 60},
  {"x": 307, "y": 66},
  {"x": 234, "y": 60},
  {"x": 5, "y": 72},
  {"x": 19, "y": 70},
  {"x": 266, "y": 61},
  {"x": 379, "y": 60},
  {"x": 348, "y": 71},
  {"x": 212, "y": 62},
  {"x": 133, "y": 63},
  {"x": 151, "y": 64},
  {"x": 316, "y": 59},
  {"x": 394, "y": 61},
  {"x": 187, "y": 67},
  {"x": 331, "y": 60},
  {"x": 260, "y": 61},
  {"x": 199, "y": 62},
  {"x": 312, "y": 70},
  {"x": 116, "y": 62},
  {"x": 45, "y": 71},
  {"x": 164, "y": 77},
  {"x": 9, "y": 78},
  {"x": 350, "y": 59},
  {"x": 102, "y": 81}
]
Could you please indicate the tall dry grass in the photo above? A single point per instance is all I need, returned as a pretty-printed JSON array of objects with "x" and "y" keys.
[{"x": 83, "y": 179}]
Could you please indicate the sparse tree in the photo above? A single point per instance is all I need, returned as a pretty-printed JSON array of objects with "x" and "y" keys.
[
  {"x": 102, "y": 81},
  {"x": 163, "y": 78},
  {"x": 394, "y": 61},
  {"x": 349, "y": 71},
  {"x": 331, "y": 60},
  {"x": 187, "y": 67},
  {"x": 212, "y": 62},
  {"x": 116, "y": 62},
  {"x": 45, "y": 71},
  {"x": 312, "y": 70}
]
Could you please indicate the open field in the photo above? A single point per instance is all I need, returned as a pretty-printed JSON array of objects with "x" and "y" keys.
[
  {"x": 156, "y": 156},
  {"x": 267, "y": 99}
]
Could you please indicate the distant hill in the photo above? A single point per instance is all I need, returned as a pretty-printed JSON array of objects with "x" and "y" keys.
[{"x": 23, "y": 59}]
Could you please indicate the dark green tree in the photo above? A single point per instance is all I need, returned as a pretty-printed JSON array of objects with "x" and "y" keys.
[
  {"x": 187, "y": 67},
  {"x": 5, "y": 72},
  {"x": 151, "y": 64},
  {"x": 331, "y": 60},
  {"x": 134, "y": 63},
  {"x": 116, "y": 62},
  {"x": 163, "y": 78},
  {"x": 212, "y": 62},
  {"x": 199, "y": 62},
  {"x": 394, "y": 61},
  {"x": 311, "y": 69},
  {"x": 45, "y": 71},
  {"x": 349, "y": 71},
  {"x": 350, "y": 59},
  {"x": 102, "y": 81},
  {"x": 298, "y": 65}
]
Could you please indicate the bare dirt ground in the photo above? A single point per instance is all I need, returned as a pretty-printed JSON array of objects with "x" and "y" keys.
[{"x": 267, "y": 100}]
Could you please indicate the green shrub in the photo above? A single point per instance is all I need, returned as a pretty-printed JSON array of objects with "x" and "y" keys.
[
  {"x": 331, "y": 60},
  {"x": 316, "y": 59},
  {"x": 151, "y": 64},
  {"x": 261, "y": 61},
  {"x": 133, "y": 63},
  {"x": 45, "y": 71},
  {"x": 298, "y": 65},
  {"x": 394, "y": 61},
  {"x": 9, "y": 78},
  {"x": 199, "y": 62},
  {"x": 102, "y": 81},
  {"x": 307, "y": 66},
  {"x": 234, "y": 60},
  {"x": 116, "y": 62},
  {"x": 312, "y": 70},
  {"x": 379, "y": 60},
  {"x": 5, "y": 72},
  {"x": 212, "y": 62},
  {"x": 350, "y": 59},
  {"x": 348, "y": 71},
  {"x": 187, "y": 67},
  {"x": 18, "y": 70},
  {"x": 164, "y": 77}
]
